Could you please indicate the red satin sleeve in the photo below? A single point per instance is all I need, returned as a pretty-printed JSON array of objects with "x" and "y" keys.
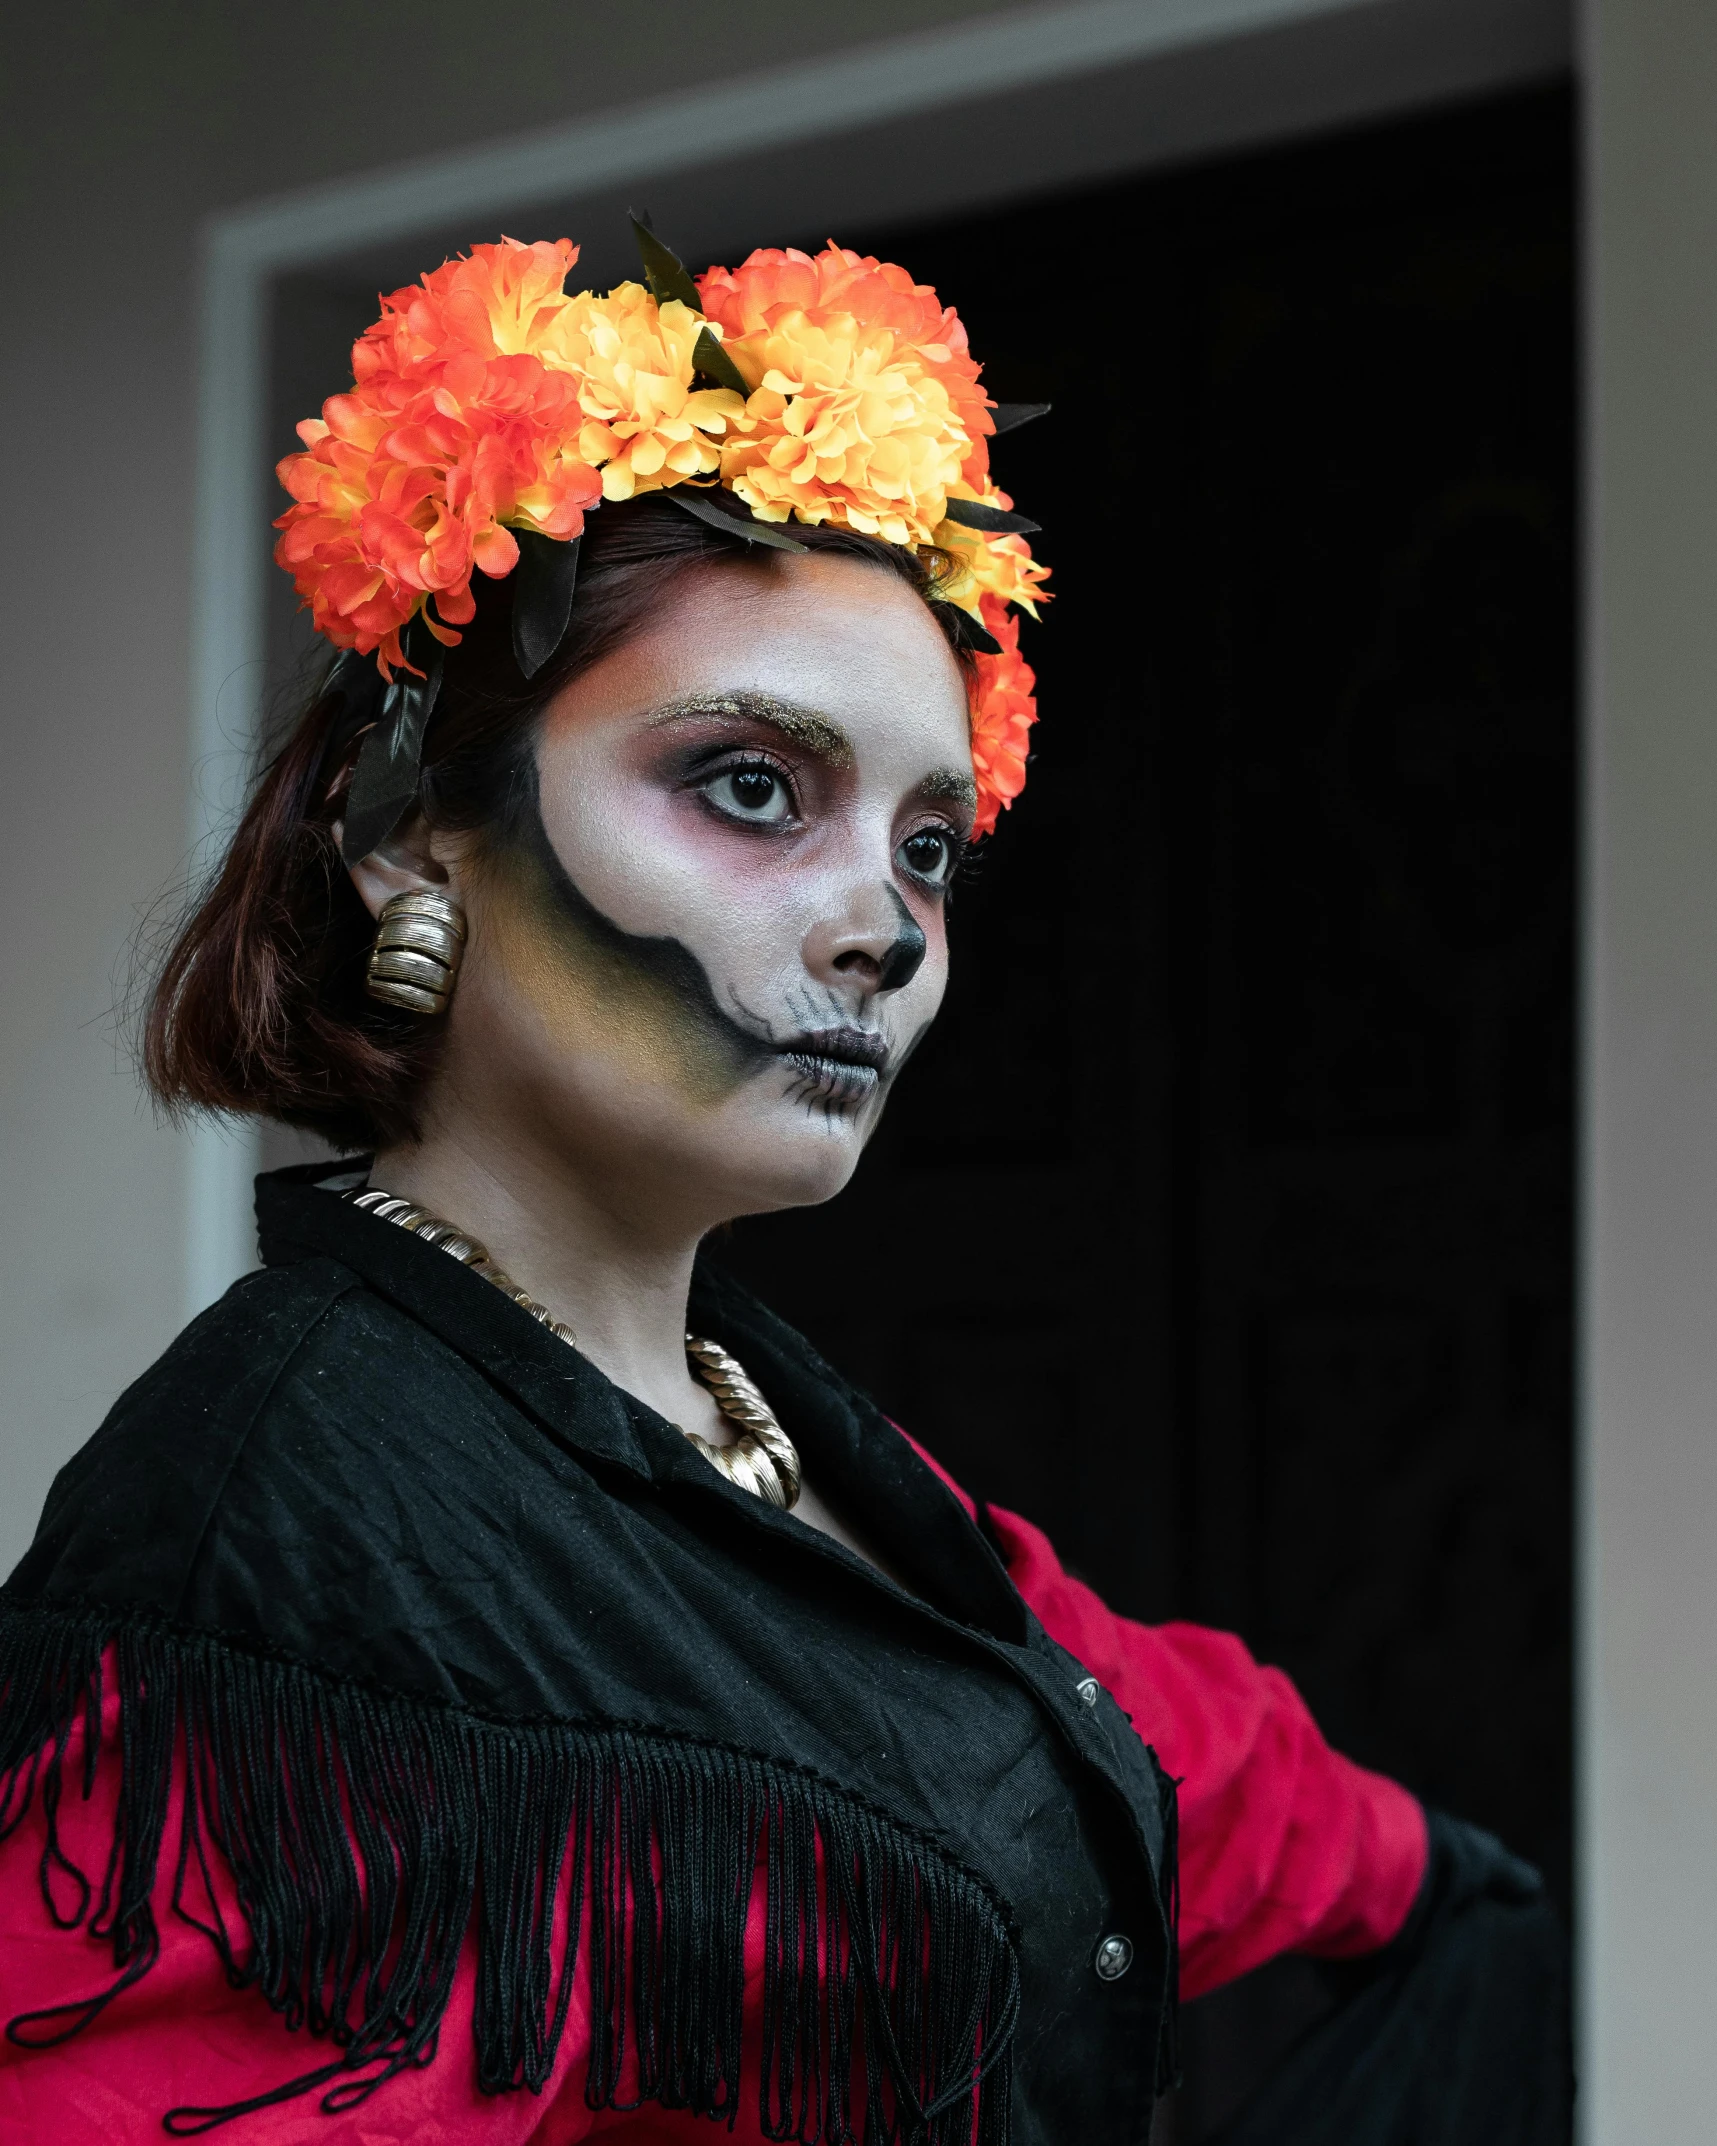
[{"x": 1285, "y": 1846}]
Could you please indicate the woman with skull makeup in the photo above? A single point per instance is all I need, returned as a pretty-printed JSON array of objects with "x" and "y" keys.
[{"x": 491, "y": 1679}]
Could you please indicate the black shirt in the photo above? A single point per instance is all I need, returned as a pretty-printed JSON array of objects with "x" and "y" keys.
[{"x": 409, "y": 1572}]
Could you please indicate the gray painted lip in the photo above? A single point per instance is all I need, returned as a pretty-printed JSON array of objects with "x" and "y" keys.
[{"x": 852, "y": 1049}]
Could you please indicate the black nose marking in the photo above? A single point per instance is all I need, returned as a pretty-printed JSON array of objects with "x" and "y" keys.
[{"x": 906, "y": 956}]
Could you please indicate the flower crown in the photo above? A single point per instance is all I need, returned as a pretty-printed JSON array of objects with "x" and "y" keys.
[{"x": 490, "y": 411}]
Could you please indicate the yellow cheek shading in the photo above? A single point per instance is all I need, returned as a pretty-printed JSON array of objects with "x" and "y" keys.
[{"x": 591, "y": 992}]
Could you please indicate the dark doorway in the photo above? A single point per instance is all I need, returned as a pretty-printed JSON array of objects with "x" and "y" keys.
[{"x": 1224, "y": 1225}]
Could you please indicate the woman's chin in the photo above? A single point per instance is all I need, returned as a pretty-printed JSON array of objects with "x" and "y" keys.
[
  {"x": 757, "y": 1150},
  {"x": 795, "y": 1163}
]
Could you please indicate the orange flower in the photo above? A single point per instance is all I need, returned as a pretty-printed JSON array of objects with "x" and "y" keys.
[
  {"x": 499, "y": 301},
  {"x": 455, "y": 432},
  {"x": 865, "y": 405},
  {"x": 1004, "y": 707}
]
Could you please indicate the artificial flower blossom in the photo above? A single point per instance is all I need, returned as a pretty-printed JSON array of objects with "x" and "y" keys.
[
  {"x": 486, "y": 400},
  {"x": 1004, "y": 707},
  {"x": 865, "y": 406},
  {"x": 646, "y": 426},
  {"x": 455, "y": 432},
  {"x": 999, "y": 565}
]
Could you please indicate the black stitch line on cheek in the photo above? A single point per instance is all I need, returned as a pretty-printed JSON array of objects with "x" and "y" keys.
[
  {"x": 670, "y": 962},
  {"x": 756, "y": 1023},
  {"x": 815, "y": 1100},
  {"x": 666, "y": 960},
  {"x": 837, "y": 1106}
]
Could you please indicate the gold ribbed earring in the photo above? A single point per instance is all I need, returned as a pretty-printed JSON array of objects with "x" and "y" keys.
[{"x": 419, "y": 943}]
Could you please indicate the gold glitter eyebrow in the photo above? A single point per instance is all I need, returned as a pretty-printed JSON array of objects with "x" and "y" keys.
[
  {"x": 816, "y": 733},
  {"x": 952, "y": 784}
]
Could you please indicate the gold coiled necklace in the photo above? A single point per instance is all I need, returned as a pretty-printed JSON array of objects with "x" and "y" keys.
[{"x": 762, "y": 1459}]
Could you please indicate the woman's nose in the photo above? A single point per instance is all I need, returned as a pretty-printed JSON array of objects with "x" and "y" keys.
[{"x": 878, "y": 945}]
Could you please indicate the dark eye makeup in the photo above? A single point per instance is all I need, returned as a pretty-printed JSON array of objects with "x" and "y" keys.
[
  {"x": 932, "y": 855},
  {"x": 751, "y": 788}
]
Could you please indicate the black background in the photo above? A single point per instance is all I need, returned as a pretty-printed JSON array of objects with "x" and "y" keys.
[{"x": 1223, "y": 1225}]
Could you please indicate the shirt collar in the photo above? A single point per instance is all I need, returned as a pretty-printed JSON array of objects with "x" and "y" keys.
[{"x": 858, "y": 1459}]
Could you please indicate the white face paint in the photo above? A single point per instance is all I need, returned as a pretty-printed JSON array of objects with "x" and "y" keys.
[{"x": 704, "y": 968}]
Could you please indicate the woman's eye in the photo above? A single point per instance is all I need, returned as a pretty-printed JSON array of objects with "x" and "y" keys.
[
  {"x": 930, "y": 854},
  {"x": 757, "y": 794}
]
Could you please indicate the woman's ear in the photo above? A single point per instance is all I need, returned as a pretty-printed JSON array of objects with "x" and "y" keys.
[{"x": 404, "y": 864}]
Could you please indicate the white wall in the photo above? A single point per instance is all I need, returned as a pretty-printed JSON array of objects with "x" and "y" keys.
[{"x": 1649, "y": 1731}]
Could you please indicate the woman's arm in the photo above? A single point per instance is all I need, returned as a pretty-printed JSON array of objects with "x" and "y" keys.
[
  {"x": 1450, "y": 2025},
  {"x": 1285, "y": 1846}
]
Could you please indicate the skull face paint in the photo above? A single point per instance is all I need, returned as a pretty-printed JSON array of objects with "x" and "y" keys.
[{"x": 717, "y": 932}]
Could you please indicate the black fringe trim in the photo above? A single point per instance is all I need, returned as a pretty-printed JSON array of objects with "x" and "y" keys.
[{"x": 365, "y": 1834}]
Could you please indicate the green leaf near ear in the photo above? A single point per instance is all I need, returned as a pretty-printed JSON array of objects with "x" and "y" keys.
[
  {"x": 975, "y": 634},
  {"x": 386, "y": 780}
]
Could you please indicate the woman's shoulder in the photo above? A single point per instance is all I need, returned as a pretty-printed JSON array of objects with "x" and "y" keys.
[{"x": 290, "y": 1376}]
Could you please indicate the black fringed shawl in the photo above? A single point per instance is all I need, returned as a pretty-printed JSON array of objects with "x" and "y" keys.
[{"x": 446, "y": 1629}]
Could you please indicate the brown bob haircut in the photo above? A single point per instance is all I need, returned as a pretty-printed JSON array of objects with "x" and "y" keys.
[{"x": 259, "y": 1005}]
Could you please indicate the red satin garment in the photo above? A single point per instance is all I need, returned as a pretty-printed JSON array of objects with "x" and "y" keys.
[{"x": 1285, "y": 1846}]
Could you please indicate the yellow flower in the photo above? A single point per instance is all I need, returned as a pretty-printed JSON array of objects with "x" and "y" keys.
[
  {"x": 843, "y": 428},
  {"x": 644, "y": 422},
  {"x": 865, "y": 407},
  {"x": 991, "y": 565}
]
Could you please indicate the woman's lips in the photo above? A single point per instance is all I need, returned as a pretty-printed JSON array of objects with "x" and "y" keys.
[{"x": 844, "y": 1063}]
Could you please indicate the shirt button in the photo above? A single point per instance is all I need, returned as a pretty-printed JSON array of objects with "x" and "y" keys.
[
  {"x": 1087, "y": 1688},
  {"x": 1114, "y": 1957}
]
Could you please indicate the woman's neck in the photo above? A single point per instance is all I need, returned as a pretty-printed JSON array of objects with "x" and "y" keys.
[
  {"x": 584, "y": 1254},
  {"x": 593, "y": 1261}
]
